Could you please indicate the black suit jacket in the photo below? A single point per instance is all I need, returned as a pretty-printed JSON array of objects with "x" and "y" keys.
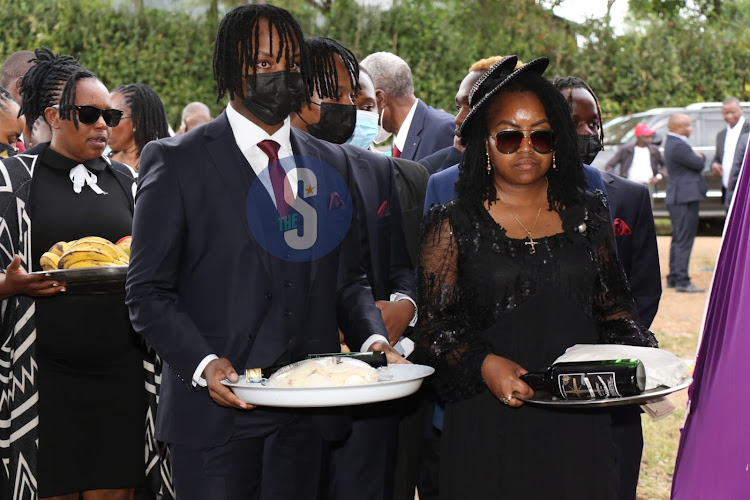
[
  {"x": 685, "y": 182},
  {"x": 430, "y": 130},
  {"x": 638, "y": 252},
  {"x": 441, "y": 160},
  {"x": 385, "y": 255},
  {"x": 411, "y": 178},
  {"x": 721, "y": 137},
  {"x": 734, "y": 174},
  {"x": 200, "y": 282}
]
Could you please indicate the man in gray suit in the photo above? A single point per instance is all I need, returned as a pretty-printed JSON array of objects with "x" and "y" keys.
[{"x": 685, "y": 188}]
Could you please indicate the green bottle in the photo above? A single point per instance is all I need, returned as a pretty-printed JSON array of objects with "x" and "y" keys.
[{"x": 613, "y": 378}]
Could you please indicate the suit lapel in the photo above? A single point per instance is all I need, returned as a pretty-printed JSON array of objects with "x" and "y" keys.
[
  {"x": 302, "y": 146},
  {"x": 415, "y": 131},
  {"x": 237, "y": 175},
  {"x": 365, "y": 176}
]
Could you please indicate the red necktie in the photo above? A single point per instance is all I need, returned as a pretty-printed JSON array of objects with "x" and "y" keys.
[
  {"x": 396, "y": 152},
  {"x": 278, "y": 176}
]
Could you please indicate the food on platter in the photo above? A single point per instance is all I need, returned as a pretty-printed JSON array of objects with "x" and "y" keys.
[
  {"x": 91, "y": 251},
  {"x": 324, "y": 372}
]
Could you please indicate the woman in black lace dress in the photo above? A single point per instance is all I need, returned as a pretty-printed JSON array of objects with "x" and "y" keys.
[{"x": 518, "y": 268}]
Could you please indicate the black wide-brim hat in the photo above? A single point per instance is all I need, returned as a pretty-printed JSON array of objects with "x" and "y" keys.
[{"x": 495, "y": 79}]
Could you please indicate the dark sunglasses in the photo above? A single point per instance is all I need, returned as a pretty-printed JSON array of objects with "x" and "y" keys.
[
  {"x": 509, "y": 141},
  {"x": 88, "y": 115}
]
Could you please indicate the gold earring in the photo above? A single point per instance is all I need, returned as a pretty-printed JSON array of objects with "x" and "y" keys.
[{"x": 489, "y": 164}]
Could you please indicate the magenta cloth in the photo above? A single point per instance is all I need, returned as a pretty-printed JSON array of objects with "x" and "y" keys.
[
  {"x": 713, "y": 460},
  {"x": 277, "y": 174}
]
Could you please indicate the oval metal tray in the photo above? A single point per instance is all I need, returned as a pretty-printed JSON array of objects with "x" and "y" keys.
[{"x": 103, "y": 279}]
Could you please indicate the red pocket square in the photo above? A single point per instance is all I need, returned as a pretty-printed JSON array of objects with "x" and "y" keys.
[
  {"x": 384, "y": 210},
  {"x": 621, "y": 228},
  {"x": 336, "y": 202}
]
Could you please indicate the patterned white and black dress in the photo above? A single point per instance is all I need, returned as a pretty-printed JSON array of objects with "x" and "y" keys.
[{"x": 74, "y": 364}]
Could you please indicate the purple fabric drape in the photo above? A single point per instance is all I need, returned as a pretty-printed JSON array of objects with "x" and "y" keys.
[{"x": 713, "y": 460}]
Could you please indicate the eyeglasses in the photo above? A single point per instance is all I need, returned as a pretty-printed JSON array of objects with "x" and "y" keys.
[
  {"x": 509, "y": 141},
  {"x": 88, "y": 115}
]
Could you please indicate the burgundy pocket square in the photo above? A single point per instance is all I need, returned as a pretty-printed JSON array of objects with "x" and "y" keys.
[
  {"x": 621, "y": 228},
  {"x": 336, "y": 202},
  {"x": 384, "y": 210}
]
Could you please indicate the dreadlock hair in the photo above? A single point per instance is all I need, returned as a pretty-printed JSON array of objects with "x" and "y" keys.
[
  {"x": 5, "y": 99},
  {"x": 323, "y": 76},
  {"x": 566, "y": 182},
  {"x": 51, "y": 80},
  {"x": 147, "y": 114},
  {"x": 237, "y": 42},
  {"x": 566, "y": 84}
]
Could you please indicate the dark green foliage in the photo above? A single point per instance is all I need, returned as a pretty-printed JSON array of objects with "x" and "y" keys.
[{"x": 680, "y": 52}]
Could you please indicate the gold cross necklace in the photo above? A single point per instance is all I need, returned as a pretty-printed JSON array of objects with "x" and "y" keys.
[{"x": 531, "y": 243}]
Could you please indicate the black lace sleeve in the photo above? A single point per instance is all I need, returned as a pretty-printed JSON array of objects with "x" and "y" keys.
[
  {"x": 614, "y": 308},
  {"x": 447, "y": 338}
]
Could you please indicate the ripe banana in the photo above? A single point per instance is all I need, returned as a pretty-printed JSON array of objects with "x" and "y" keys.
[
  {"x": 100, "y": 243},
  {"x": 49, "y": 261},
  {"x": 60, "y": 248},
  {"x": 122, "y": 255},
  {"x": 81, "y": 253}
]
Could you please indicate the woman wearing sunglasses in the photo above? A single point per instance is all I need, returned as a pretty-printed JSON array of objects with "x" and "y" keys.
[
  {"x": 144, "y": 120},
  {"x": 89, "y": 387},
  {"x": 515, "y": 270}
]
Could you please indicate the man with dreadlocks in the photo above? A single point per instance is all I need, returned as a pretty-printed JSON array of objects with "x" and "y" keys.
[
  {"x": 220, "y": 278},
  {"x": 331, "y": 115}
]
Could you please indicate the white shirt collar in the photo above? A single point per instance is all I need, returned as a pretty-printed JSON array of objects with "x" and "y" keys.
[
  {"x": 400, "y": 139},
  {"x": 247, "y": 135},
  {"x": 737, "y": 126}
]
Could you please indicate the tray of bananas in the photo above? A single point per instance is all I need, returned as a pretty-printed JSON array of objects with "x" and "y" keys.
[{"x": 88, "y": 265}]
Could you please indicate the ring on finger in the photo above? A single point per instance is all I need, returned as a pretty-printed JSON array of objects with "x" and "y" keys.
[{"x": 506, "y": 399}]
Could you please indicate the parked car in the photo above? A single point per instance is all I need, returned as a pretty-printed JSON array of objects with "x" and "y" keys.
[{"x": 707, "y": 122}]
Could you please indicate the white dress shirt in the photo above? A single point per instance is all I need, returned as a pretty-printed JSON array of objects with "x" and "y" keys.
[
  {"x": 247, "y": 135},
  {"x": 730, "y": 146},
  {"x": 400, "y": 140}
]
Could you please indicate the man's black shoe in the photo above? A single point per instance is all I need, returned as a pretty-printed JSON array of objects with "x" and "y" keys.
[{"x": 689, "y": 288}]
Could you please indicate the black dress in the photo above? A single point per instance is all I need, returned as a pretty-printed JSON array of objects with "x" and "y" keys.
[
  {"x": 481, "y": 292},
  {"x": 91, "y": 392}
]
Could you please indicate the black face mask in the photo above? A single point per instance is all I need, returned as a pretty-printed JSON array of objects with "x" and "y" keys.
[
  {"x": 273, "y": 96},
  {"x": 337, "y": 122},
  {"x": 588, "y": 147},
  {"x": 7, "y": 151}
]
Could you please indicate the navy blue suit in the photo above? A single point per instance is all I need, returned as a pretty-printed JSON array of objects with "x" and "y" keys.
[
  {"x": 200, "y": 282},
  {"x": 685, "y": 188},
  {"x": 430, "y": 130},
  {"x": 441, "y": 160}
]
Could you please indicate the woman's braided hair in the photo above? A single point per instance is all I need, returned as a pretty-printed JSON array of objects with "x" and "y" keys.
[{"x": 50, "y": 81}]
